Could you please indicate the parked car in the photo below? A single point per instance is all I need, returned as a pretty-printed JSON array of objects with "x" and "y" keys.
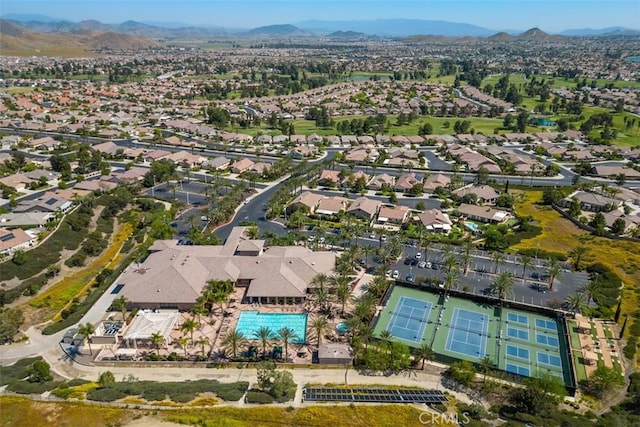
[
  {"x": 422, "y": 264},
  {"x": 418, "y": 255},
  {"x": 395, "y": 274},
  {"x": 383, "y": 238},
  {"x": 410, "y": 278}
]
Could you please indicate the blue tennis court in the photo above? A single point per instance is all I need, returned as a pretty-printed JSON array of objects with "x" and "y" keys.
[
  {"x": 515, "y": 351},
  {"x": 546, "y": 324},
  {"x": 518, "y": 369},
  {"x": 409, "y": 319},
  {"x": 468, "y": 333},
  {"x": 549, "y": 359},
  {"x": 518, "y": 333},
  {"x": 547, "y": 340},
  {"x": 518, "y": 318}
]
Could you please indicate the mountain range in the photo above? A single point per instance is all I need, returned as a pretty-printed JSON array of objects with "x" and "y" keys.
[{"x": 331, "y": 29}]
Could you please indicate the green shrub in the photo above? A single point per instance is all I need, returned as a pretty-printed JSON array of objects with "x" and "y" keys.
[
  {"x": 25, "y": 387},
  {"x": 63, "y": 392},
  {"x": 17, "y": 371},
  {"x": 105, "y": 394},
  {"x": 183, "y": 397},
  {"x": 257, "y": 396},
  {"x": 230, "y": 395},
  {"x": 630, "y": 349}
]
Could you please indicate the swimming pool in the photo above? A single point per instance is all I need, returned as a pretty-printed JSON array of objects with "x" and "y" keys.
[
  {"x": 250, "y": 321},
  {"x": 471, "y": 226},
  {"x": 342, "y": 328}
]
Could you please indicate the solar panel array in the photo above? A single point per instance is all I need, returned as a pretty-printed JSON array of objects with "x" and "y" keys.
[{"x": 375, "y": 395}]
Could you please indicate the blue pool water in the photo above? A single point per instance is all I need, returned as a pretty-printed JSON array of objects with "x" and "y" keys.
[
  {"x": 342, "y": 327},
  {"x": 471, "y": 226},
  {"x": 250, "y": 321}
]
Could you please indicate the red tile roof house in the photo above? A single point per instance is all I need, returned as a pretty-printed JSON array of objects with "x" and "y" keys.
[
  {"x": 353, "y": 177},
  {"x": 379, "y": 181},
  {"x": 483, "y": 213},
  {"x": 406, "y": 181},
  {"x": 436, "y": 221},
  {"x": 332, "y": 205},
  {"x": 393, "y": 215},
  {"x": 13, "y": 240},
  {"x": 432, "y": 182},
  {"x": 308, "y": 199},
  {"x": 486, "y": 194},
  {"x": 364, "y": 208},
  {"x": 242, "y": 165},
  {"x": 329, "y": 178}
]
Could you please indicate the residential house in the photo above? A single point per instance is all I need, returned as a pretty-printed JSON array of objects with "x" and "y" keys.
[
  {"x": 379, "y": 181},
  {"x": 17, "y": 181},
  {"x": 109, "y": 148},
  {"x": 485, "y": 193},
  {"x": 26, "y": 219},
  {"x": 406, "y": 181},
  {"x": 260, "y": 168},
  {"x": 49, "y": 202},
  {"x": 308, "y": 200},
  {"x": 332, "y": 205},
  {"x": 335, "y": 354},
  {"x": 613, "y": 171},
  {"x": 242, "y": 165},
  {"x": 591, "y": 202},
  {"x": 436, "y": 221},
  {"x": 46, "y": 143},
  {"x": 393, "y": 214},
  {"x": 351, "y": 178},
  {"x": 217, "y": 163},
  {"x": 483, "y": 213},
  {"x": 329, "y": 178},
  {"x": 434, "y": 181},
  {"x": 15, "y": 239},
  {"x": 364, "y": 208}
]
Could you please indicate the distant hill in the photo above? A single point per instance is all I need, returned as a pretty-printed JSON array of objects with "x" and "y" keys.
[
  {"x": 14, "y": 37},
  {"x": 277, "y": 30},
  {"x": 598, "y": 31},
  {"x": 398, "y": 27},
  {"x": 346, "y": 35},
  {"x": 533, "y": 34},
  {"x": 501, "y": 37},
  {"x": 21, "y": 17}
]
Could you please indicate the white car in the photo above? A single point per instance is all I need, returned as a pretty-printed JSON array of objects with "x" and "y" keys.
[
  {"x": 372, "y": 235},
  {"x": 204, "y": 218},
  {"x": 395, "y": 274},
  {"x": 321, "y": 240},
  {"x": 418, "y": 255},
  {"x": 422, "y": 264},
  {"x": 389, "y": 273},
  {"x": 383, "y": 238},
  {"x": 311, "y": 238}
]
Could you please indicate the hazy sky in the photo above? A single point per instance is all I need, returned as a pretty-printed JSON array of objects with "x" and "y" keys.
[{"x": 494, "y": 14}]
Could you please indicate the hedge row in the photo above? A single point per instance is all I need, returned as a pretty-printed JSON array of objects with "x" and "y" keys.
[
  {"x": 17, "y": 371},
  {"x": 180, "y": 392}
]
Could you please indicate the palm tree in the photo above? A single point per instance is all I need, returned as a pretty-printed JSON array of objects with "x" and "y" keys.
[
  {"x": 378, "y": 286},
  {"x": 320, "y": 326},
  {"x": 425, "y": 244},
  {"x": 485, "y": 366},
  {"x": 497, "y": 258},
  {"x": 527, "y": 262},
  {"x": 450, "y": 262},
  {"x": 321, "y": 298},
  {"x": 466, "y": 256},
  {"x": 198, "y": 311},
  {"x": 189, "y": 325},
  {"x": 156, "y": 339},
  {"x": 365, "y": 333},
  {"x": 182, "y": 342},
  {"x": 320, "y": 280},
  {"x": 234, "y": 340},
  {"x": 385, "y": 337},
  {"x": 86, "y": 330},
  {"x": 590, "y": 289},
  {"x": 577, "y": 254},
  {"x": 451, "y": 280},
  {"x": 287, "y": 334},
  {"x": 202, "y": 341},
  {"x": 502, "y": 285},
  {"x": 264, "y": 334},
  {"x": 425, "y": 352},
  {"x": 554, "y": 269},
  {"x": 121, "y": 304},
  {"x": 252, "y": 232},
  {"x": 343, "y": 290},
  {"x": 575, "y": 302},
  {"x": 366, "y": 252}
]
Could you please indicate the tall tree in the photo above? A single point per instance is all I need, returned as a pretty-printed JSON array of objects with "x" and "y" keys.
[
  {"x": 86, "y": 330},
  {"x": 497, "y": 258},
  {"x": 526, "y": 262},
  {"x": 425, "y": 352},
  {"x": 286, "y": 335},
  {"x": 156, "y": 340},
  {"x": 320, "y": 326},
  {"x": 188, "y": 326},
  {"x": 264, "y": 334},
  {"x": 121, "y": 304},
  {"x": 502, "y": 285},
  {"x": 554, "y": 269},
  {"x": 234, "y": 340}
]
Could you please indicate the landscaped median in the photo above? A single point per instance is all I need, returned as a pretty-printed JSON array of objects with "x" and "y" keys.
[{"x": 62, "y": 295}]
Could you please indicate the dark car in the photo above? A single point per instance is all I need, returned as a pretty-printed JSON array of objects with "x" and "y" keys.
[
  {"x": 410, "y": 278},
  {"x": 407, "y": 261},
  {"x": 435, "y": 266},
  {"x": 414, "y": 262}
]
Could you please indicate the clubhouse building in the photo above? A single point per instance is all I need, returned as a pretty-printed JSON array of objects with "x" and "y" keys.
[{"x": 173, "y": 276}]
